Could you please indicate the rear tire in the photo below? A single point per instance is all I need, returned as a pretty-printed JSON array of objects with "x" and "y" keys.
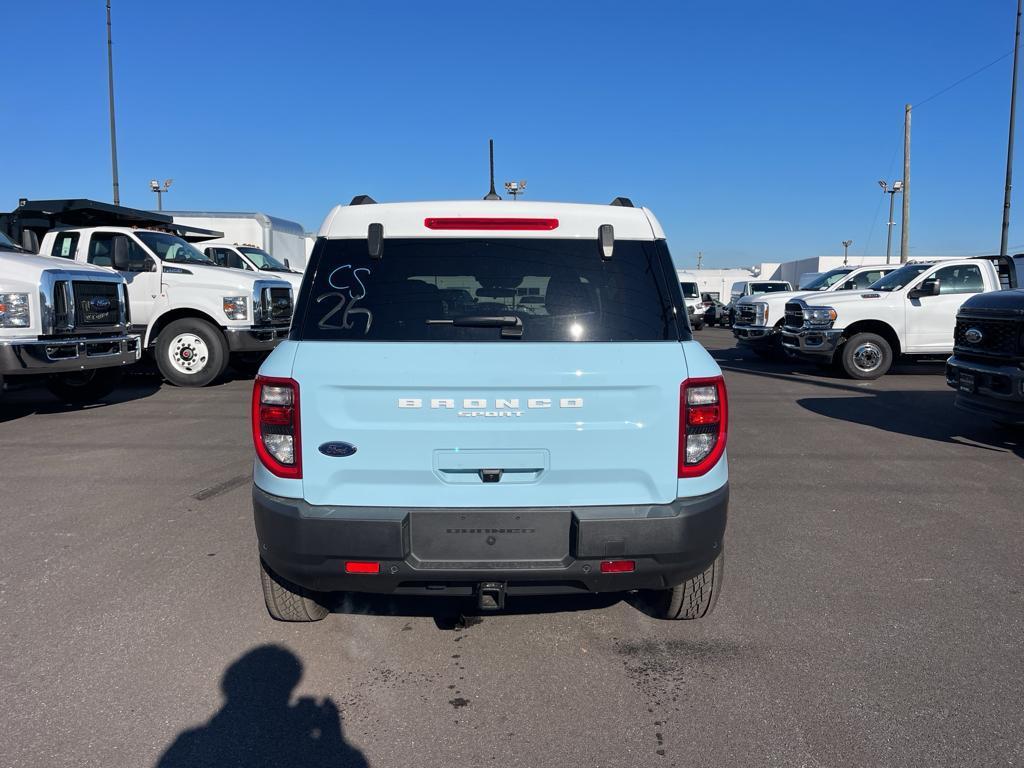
[
  {"x": 866, "y": 356},
  {"x": 191, "y": 352},
  {"x": 695, "y": 598},
  {"x": 83, "y": 387},
  {"x": 289, "y": 602}
]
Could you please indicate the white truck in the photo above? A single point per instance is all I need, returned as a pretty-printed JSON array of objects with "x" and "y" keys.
[
  {"x": 251, "y": 259},
  {"x": 192, "y": 315},
  {"x": 911, "y": 311},
  {"x": 63, "y": 325},
  {"x": 284, "y": 240},
  {"x": 691, "y": 296},
  {"x": 759, "y": 318}
]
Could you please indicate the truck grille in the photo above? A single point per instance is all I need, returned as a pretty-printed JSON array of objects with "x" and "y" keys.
[
  {"x": 747, "y": 315},
  {"x": 96, "y": 304},
  {"x": 277, "y": 305},
  {"x": 794, "y": 315},
  {"x": 999, "y": 338}
]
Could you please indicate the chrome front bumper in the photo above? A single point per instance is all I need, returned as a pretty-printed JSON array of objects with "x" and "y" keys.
[
  {"x": 255, "y": 339},
  {"x": 813, "y": 342},
  {"x": 754, "y": 334},
  {"x": 27, "y": 356}
]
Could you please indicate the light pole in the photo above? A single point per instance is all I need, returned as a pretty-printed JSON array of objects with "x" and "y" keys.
[
  {"x": 110, "y": 95},
  {"x": 846, "y": 248},
  {"x": 515, "y": 188},
  {"x": 1009, "y": 142},
  {"x": 155, "y": 186},
  {"x": 897, "y": 186}
]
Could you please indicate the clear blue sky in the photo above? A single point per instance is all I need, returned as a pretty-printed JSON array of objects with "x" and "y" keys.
[{"x": 756, "y": 131}]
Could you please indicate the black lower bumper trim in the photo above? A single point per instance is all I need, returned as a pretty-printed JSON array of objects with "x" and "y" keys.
[{"x": 310, "y": 545}]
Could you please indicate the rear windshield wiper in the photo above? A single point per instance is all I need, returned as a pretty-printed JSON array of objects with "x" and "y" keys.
[{"x": 511, "y": 326}]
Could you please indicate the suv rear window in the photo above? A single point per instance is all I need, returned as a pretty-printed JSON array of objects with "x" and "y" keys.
[{"x": 560, "y": 290}]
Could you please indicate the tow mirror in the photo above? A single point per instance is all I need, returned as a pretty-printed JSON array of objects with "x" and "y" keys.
[
  {"x": 929, "y": 287},
  {"x": 121, "y": 254},
  {"x": 29, "y": 240},
  {"x": 287, "y": 265}
]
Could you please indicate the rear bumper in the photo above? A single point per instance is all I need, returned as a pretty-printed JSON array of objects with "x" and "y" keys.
[
  {"x": 998, "y": 391},
  {"x": 255, "y": 339},
  {"x": 309, "y": 546},
  {"x": 812, "y": 343},
  {"x": 33, "y": 356}
]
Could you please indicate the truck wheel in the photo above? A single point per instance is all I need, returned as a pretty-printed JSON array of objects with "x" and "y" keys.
[
  {"x": 289, "y": 602},
  {"x": 191, "y": 352},
  {"x": 693, "y": 599},
  {"x": 866, "y": 356},
  {"x": 84, "y": 386}
]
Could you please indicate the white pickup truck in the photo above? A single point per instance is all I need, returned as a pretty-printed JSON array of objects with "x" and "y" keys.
[
  {"x": 759, "y": 318},
  {"x": 191, "y": 313},
  {"x": 64, "y": 325},
  {"x": 911, "y": 311},
  {"x": 251, "y": 259}
]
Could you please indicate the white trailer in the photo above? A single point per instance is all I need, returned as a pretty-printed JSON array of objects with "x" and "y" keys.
[{"x": 282, "y": 239}]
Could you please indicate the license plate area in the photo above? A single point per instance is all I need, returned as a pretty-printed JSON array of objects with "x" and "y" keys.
[
  {"x": 533, "y": 538},
  {"x": 967, "y": 382}
]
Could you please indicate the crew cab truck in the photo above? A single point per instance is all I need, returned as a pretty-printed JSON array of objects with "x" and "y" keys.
[
  {"x": 911, "y": 311},
  {"x": 63, "y": 325},
  {"x": 987, "y": 366},
  {"x": 489, "y": 398},
  {"x": 691, "y": 295},
  {"x": 251, "y": 259},
  {"x": 759, "y": 318},
  {"x": 751, "y": 288},
  {"x": 192, "y": 315}
]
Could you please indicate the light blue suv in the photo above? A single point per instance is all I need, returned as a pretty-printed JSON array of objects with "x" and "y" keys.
[{"x": 490, "y": 399}]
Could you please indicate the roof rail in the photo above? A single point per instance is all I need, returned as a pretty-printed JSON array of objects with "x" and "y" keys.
[
  {"x": 624, "y": 202},
  {"x": 363, "y": 200}
]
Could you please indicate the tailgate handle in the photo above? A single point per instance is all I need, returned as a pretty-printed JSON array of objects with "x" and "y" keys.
[{"x": 490, "y": 475}]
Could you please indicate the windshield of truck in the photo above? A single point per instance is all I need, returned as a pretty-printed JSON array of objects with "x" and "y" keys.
[
  {"x": 6, "y": 242},
  {"x": 172, "y": 248},
  {"x": 690, "y": 290},
  {"x": 263, "y": 260},
  {"x": 768, "y": 287},
  {"x": 822, "y": 282},
  {"x": 469, "y": 289},
  {"x": 899, "y": 278}
]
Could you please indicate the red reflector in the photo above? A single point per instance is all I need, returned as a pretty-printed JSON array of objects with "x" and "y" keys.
[
  {"x": 490, "y": 223},
  {"x": 357, "y": 567},
  {"x": 280, "y": 415},
  {"x": 701, "y": 415},
  {"x": 618, "y": 566}
]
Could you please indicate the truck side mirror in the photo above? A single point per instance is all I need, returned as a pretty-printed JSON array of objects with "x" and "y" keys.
[
  {"x": 120, "y": 261},
  {"x": 929, "y": 287},
  {"x": 287, "y": 265},
  {"x": 29, "y": 240}
]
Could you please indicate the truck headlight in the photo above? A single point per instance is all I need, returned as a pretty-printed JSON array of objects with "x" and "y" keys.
[
  {"x": 14, "y": 310},
  {"x": 236, "y": 307},
  {"x": 760, "y": 313},
  {"x": 819, "y": 317}
]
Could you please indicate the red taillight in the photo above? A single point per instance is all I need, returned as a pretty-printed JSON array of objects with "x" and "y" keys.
[
  {"x": 618, "y": 566},
  {"x": 490, "y": 223},
  {"x": 703, "y": 425},
  {"x": 361, "y": 567},
  {"x": 275, "y": 425}
]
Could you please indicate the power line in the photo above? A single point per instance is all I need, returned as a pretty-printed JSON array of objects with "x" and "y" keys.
[{"x": 962, "y": 80}]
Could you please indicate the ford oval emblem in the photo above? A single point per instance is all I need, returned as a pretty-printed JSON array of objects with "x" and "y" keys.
[
  {"x": 973, "y": 335},
  {"x": 335, "y": 450},
  {"x": 99, "y": 304}
]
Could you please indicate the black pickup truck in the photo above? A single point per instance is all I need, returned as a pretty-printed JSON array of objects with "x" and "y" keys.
[{"x": 987, "y": 366}]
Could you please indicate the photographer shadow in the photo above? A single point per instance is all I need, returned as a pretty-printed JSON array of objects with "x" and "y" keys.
[{"x": 260, "y": 726}]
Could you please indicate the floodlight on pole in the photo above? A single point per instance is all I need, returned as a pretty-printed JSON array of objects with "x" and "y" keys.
[
  {"x": 515, "y": 188},
  {"x": 896, "y": 188},
  {"x": 846, "y": 248},
  {"x": 154, "y": 185}
]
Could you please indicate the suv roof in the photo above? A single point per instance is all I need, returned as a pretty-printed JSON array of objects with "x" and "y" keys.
[{"x": 566, "y": 220}]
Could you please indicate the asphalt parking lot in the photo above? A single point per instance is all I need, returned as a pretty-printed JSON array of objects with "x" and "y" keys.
[{"x": 872, "y": 612}]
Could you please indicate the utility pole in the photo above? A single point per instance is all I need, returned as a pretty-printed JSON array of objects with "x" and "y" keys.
[
  {"x": 110, "y": 92},
  {"x": 700, "y": 258},
  {"x": 846, "y": 250},
  {"x": 905, "y": 231},
  {"x": 1009, "y": 142}
]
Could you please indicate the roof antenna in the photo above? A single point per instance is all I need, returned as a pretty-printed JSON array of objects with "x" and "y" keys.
[{"x": 492, "y": 195}]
